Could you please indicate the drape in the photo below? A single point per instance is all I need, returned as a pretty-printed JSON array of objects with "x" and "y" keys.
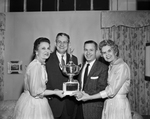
[
  {"x": 2, "y": 29},
  {"x": 132, "y": 42}
]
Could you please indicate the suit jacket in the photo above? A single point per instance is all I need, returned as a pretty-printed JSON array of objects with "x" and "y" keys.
[
  {"x": 55, "y": 81},
  {"x": 96, "y": 82}
]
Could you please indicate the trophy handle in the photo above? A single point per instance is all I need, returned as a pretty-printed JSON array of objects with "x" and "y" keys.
[
  {"x": 64, "y": 70},
  {"x": 78, "y": 68}
]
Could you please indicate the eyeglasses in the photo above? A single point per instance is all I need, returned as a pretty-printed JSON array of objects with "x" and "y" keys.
[{"x": 59, "y": 42}]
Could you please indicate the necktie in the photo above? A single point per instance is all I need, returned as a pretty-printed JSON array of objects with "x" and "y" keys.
[
  {"x": 86, "y": 73},
  {"x": 62, "y": 61}
]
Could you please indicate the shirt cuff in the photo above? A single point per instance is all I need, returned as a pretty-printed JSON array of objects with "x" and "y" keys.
[{"x": 103, "y": 94}]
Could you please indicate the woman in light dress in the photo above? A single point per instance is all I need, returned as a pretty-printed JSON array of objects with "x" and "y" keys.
[
  {"x": 117, "y": 104},
  {"x": 32, "y": 104}
]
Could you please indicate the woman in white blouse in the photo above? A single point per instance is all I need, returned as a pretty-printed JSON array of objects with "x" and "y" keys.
[
  {"x": 32, "y": 104},
  {"x": 117, "y": 104}
]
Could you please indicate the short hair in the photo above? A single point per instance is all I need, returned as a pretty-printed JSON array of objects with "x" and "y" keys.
[
  {"x": 91, "y": 42},
  {"x": 63, "y": 34},
  {"x": 36, "y": 45},
  {"x": 109, "y": 43}
]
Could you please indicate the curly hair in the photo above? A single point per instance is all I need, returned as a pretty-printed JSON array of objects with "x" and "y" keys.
[{"x": 111, "y": 44}]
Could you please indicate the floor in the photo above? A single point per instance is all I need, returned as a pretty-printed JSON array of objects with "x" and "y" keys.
[{"x": 146, "y": 116}]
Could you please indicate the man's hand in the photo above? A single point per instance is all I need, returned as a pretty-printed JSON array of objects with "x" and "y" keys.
[
  {"x": 84, "y": 97},
  {"x": 78, "y": 94}
]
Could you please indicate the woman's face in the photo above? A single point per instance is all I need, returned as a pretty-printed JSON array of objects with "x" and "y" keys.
[
  {"x": 109, "y": 54},
  {"x": 43, "y": 51}
]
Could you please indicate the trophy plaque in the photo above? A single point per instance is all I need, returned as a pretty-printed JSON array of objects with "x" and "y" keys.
[{"x": 71, "y": 69}]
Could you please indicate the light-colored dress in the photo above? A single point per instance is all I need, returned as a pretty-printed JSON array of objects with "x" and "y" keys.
[
  {"x": 29, "y": 105},
  {"x": 117, "y": 104}
]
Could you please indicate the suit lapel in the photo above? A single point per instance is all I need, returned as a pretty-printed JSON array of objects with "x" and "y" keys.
[
  {"x": 93, "y": 69},
  {"x": 56, "y": 60},
  {"x": 68, "y": 57},
  {"x": 80, "y": 76}
]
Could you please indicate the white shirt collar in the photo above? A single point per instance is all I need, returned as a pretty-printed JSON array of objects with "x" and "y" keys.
[
  {"x": 91, "y": 63},
  {"x": 83, "y": 71},
  {"x": 90, "y": 66},
  {"x": 59, "y": 56}
]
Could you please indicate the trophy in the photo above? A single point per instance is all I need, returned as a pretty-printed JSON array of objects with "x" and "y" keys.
[{"x": 71, "y": 69}]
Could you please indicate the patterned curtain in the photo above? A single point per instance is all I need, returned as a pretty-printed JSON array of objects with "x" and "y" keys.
[
  {"x": 2, "y": 29},
  {"x": 132, "y": 42}
]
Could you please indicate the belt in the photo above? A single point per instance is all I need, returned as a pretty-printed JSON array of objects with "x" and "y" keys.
[{"x": 120, "y": 96}]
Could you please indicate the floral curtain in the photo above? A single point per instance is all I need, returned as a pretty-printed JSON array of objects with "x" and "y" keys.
[
  {"x": 2, "y": 29},
  {"x": 132, "y": 42}
]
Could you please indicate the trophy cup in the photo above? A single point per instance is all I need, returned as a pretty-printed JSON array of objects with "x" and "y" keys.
[{"x": 71, "y": 69}]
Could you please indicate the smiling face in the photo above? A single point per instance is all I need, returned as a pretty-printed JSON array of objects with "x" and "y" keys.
[
  {"x": 43, "y": 51},
  {"x": 62, "y": 44},
  {"x": 90, "y": 52},
  {"x": 109, "y": 54}
]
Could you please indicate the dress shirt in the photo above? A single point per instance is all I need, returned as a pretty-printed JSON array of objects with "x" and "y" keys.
[
  {"x": 60, "y": 55},
  {"x": 83, "y": 71}
]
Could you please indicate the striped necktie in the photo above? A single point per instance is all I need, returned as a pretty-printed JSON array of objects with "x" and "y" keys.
[{"x": 62, "y": 61}]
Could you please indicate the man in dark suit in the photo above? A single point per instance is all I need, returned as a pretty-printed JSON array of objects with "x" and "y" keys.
[
  {"x": 93, "y": 79},
  {"x": 61, "y": 108}
]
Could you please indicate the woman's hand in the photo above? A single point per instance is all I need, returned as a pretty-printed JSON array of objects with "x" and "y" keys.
[
  {"x": 77, "y": 94},
  {"x": 59, "y": 93},
  {"x": 84, "y": 97}
]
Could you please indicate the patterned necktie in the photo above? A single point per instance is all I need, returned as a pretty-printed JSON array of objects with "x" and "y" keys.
[
  {"x": 62, "y": 61},
  {"x": 86, "y": 74}
]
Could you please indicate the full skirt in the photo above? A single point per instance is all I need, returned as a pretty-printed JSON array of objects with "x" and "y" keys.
[
  {"x": 28, "y": 107},
  {"x": 117, "y": 108}
]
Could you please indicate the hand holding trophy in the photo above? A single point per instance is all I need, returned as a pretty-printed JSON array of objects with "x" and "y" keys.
[{"x": 71, "y": 69}]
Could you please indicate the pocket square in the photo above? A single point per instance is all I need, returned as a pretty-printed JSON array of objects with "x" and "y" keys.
[{"x": 94, "y": 77}]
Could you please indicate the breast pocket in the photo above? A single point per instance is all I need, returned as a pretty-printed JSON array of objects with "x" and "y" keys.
[{"x": 94, "y": 77}]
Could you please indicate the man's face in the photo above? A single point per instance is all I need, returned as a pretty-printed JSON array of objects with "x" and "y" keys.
[
  {"x": 89, "y": 52},
  {"x": 62, "y": 44}
]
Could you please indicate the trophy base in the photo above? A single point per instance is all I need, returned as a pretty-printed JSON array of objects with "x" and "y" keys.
[{"x": 70, "y": 87}]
